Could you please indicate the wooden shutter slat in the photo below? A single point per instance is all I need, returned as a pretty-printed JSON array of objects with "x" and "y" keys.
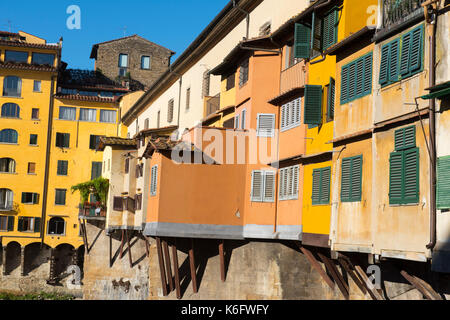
[
  {"x": 443, "y": 183},
  {"x": 393, "y": 60},
  {"x": 269, "y": 186},
  {"x": 411, "y": 176},
  {"x": 257, "y": 186},
  {"x": 405, "y": 54},
  {"x": 302, "y": 41},
  {"x": 313, "y": 104},
  {"x": 416, "y": 50},
  {"x": 396, "y": 178}
]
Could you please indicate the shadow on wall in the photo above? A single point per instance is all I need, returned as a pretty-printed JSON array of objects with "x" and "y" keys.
[{"x": 13, "y": 251}]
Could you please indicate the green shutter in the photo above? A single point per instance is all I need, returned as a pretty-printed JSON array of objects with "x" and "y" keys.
[
  {"x": 96, "y": 170},
  {"x": 396, "y": 178},
  {"x": 317, "y": 34},
  {"x": 405, "y": 138},
  {"x": 406, "y": 49},
  {"x": 368, "y": 64},
  {"x": 356, "y": 182},
  {"x": 352, "y": 81},
  {"x": 359, "y": 77},
  {"x": 330, "y": 29},
  {"x": 393, "y": 60},
  {"x": 313, "y": 104},
  {"x": 331, "y": 97},
  {"x": 316, "y": 187},
  {"x": 415, "y": 61},
  {"x": 37, "y": 224},
  {"x": 302, "y": 41},
  {"x": 346, "y": 180},
  {"x": 10, "y": 223},
  {"x": 20, "y": 224},
  {"x": 344, "y": 85},
  {"x": 325, "y": 186},
  {"x": 35, "y": 198},
  {"x": 384, "y": 65},
  {"x": 443, "y": 183},
  {"x": 411, "y": 176}
]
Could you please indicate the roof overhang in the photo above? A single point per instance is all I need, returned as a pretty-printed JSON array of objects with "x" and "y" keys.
[
  {"x": 118, "y": 143},
  {"x": 439, "y": 91},
  {"x": 338, "y": 47}
]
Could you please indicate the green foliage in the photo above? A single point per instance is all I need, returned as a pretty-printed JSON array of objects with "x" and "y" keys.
[{"x": 98, "y": 187}]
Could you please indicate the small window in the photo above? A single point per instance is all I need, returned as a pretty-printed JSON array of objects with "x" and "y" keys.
[
  {"x": 9, "y": 136},
  {"x": 321, "y": 186},
  {"x": 31, "y": 168},
  {"x": 27, "y": 224},
  {"x": 188, "y": 98},
  {"x": 243, "y": 119},
  {"x": 43, "y": 59},
  {"x": 263, "y": 186},
  {"x": 35, "y": 114},
  {"x": 206, "y": 84},
  {"x": 108, "y": 116},
  {"x": 154, "y": 181},
  {"x": 10, "y": 110},
  {"x": 118, "y": 204},
  {"x": 63, "y": 140},
  {"x": 170, "y": 111},
  {"x": 33, "y": 139},
  {"x": 37, "y": 86},
  {"x": 6, "y": 199},
  {"x": 63, "y": 167},
  {"x": 30, "y": 198},
  {"x": 146, "y": 124},
  {"x": 127, "y": 165},
  {"x": 289, "y": 183},
  {"x": 145, "y": 63},
  {"x": 16, "y": 56},
  {"x": 7, "y": 165},
  {"x": 265, "y": 125},
  {"x": 94, "y": 142},
  {"x": 12, "y": 86},
  {"x": 231, "y": 79},
  {"x": 236, "y": 121},
  {"x": 243, "y": 73},
  {"x": 88, "y": 115},
  {"x": 56, "y": 226},
  {"x": 96, "y": 170},
  {"x": 6, "y": 223},
  {"x": 351, "y": 179},
  {"x": 67, "y": 113},
  {"x": 60, "y": 197},
  {"x": 290, "y": 114},
  {"x": 123, "y": 60}
]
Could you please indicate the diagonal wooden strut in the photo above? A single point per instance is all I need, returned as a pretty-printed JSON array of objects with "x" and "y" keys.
[
  {"x": 222, "y": 260},
  {"x": 351, "y": 272},
  {"x": 374, "y": 294},
  {"x": 316, "y": 265},
  {"x": 129, "y": 250},
  {"x": 422, "y": 286},
  {"x": 193, "y": 268},
  {"x": 338, "y": 278},
  {"x": 161, "y": 266},
  {"x": 168, "y": 270},
  {"x": 176, "y": 269},
  {"x": 83, "y": 232}
]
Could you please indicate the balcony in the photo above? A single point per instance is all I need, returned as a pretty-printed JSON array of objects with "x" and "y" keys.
[
  {"x": 92, "y": 210},
  {"x": 293, "y": 77},
  {"x": 399, "y": 12}
]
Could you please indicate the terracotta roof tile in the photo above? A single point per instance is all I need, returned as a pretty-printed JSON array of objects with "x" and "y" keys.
[
  {"x": 86, "y": 98},
  {"x": 26, "y": 66}
]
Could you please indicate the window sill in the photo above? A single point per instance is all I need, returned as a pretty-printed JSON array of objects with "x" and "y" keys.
[
  {"x": 11, "y": 173},
  {"x": 11, "y": 118},
  {"x": 33, "y": 145},
  {"x": 9, "y": 144},
  {"x": 32, "y": 174},
  {"x": 12, "y": 97},
  {"x": 290, "y": 127}
]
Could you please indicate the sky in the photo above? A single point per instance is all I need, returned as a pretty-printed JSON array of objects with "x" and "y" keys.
[{"x": 174, "y": 24}]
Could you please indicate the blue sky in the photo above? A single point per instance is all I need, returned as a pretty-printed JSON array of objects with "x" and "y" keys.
[{"x": 173, "y": 24}]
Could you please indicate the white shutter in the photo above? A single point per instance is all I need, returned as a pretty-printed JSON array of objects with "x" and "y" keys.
[
  {"x": 236, "y": 122},
  {"x": 298, "y": 104},
  {"x": 257, "y": 186},
  {"x": 283, "y": 113},
  {"x": 269, "y": 186},
  {"x": 243, "y": 119},
  {"x": 266, "y": 125},
  {"x": 282, "y": 188},
  {"x": 295, "y": 182},
  {"x": 289, "y": 183},
  {"x": 154, "y": 180}
]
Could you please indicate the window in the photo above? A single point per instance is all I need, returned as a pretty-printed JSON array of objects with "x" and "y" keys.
[
  {"x": 6, "y": 223},
  {"x": 236, "y": 121},
  {"x": 289, "y": 183},
  {"x": 107, "y": 94},
  {"x": 265, "y": 125},
  {"x": 12, "y": 86},
  {"x": 16, "y": 56},
  {"x": 351, "y": 180},
  {"x": 290, "y": 114},
  {"x": 94, "y": 141},
  {"x": 231, "y": 79},
  {"x": 331, "y": 95},
  {"x": 9, "y": 136},
  {"x": 10, "y": 110},
  {"x": 67, "y": 113},
  {"x": 170, "y": 111},
  {"x": 56, "y": 226},
  {"x": 243, "y": 119},
  {"x": 96, "y": 170},
  {"x": 154, "y": 181},
  {"x": 290, "y": 60},
  {"x": 443, "y": 183},
  {"x": 404, "y": 168},
  {"x": 402, "y": 57},
  {"x": 37, "y": 86},
  {"x": 33, "y": 139},
  {"x": 188, "y": 98},
  {"x": 35, "y": 114},
  {"x": 123, "y": 60},
  {"x": 63, "y": 140},
  {"x": 88, "y": 115},
  {"x": 43, "y": 59},
  {"x": 263, "y": 186},
  {"x": 313, "y": 105},
  {"x": 145, "y": 63},
  {"x": 60, "y": 197},
  {"x": 62, "y": 168},
  {"x": 31, "y": 168},
  {"x": 118, "y": 204},
  {"x": 206, "y": 84},
  {"x": 329, "y": 27},
  {"x": 108, "y": 116},
  {"x": 26, "y": 224},
  {"x": 302, "y": 41},
  {"x": 6, "y": 199},
  {"x": 356, "y": 79},
  {"x": 7, "y": 165},
  {"x": 243, "y": 73},
  {"x": 321, "y": 186},
  {"x": 30, "y": 198}
]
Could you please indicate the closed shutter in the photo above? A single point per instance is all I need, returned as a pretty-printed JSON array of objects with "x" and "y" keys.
[
  {"x": 330, "y": 29},
  {"x": 283, "y": 116},
  {"x": 368, "y": 64},
  {"x": 317, "y": 35},
  {"x": 266, "y": 125},
  {"x": 282, "y": 187},
  {"x": 236, "y": 122},
  {"x": 92, "y": 142},
  {"x": 20, "y": 224},
  {"x": 302, "y": 41},
  {"x": 411, "y": 175},
  {"x": 131, "y": 205},
  {"x": 96, "y": 171},
  {"x": 396, "y": 178},
  {"x": 384, "y": 65},
  {"x": 406, "y": 49},
  {"x": 243, "y": 120},
  {"x": 313, "y": 104},
  {"x": 443, "y": 183},
  {"x": 37, "y": 224},
  {"x": 269, "y": 186},
  {"x": 127, "y": 165},
  {"x": 170, "y": 111},
  {"x": 352, "y": 81},
  {"x": 356, "y": 179},
  {"x": 154, "y": 181},
  {"x": 326, "y": 181},
  {"x": 35, "y": 198},
  {"x": 297, "y": 110},
  {"x": 257, "y": 186},
  {"x": 66, "y": 140},
  {"x": 346, "y": 180},
  {"x": 405, "y": 138},
  {"x": 416, "y": 50},
  {"x": 10, "y": 223},
  {"x": 344, "y": 84},
  {"x": 118, "y": 204},
  {"x": 316, "y": 187},
  {"x": 393, "y": 60},
  {"x": 295, "y": 182},
  {"x": 331, "y": 97}
]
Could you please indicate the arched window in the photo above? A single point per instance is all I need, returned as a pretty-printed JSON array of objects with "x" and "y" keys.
[
  {"x": 56, "y": 226},
  {"x": 7, "y": 165},
  {"x": 8, "y": 136},
  {"x": 12, "y": 86},
  {"x": 10, "y": 110},
  {"x": 6, "y": 199}
]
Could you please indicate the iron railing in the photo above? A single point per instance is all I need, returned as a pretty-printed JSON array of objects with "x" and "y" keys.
[{"x": 399, "y": 11}]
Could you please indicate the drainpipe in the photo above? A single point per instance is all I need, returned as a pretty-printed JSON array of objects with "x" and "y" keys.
[
  {"x": 432, "y": 67},
  {"x": 247, "y": 14}
]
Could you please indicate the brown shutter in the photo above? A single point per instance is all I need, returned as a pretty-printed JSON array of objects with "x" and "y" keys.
[
  {"x": 130, "y": 204},
  {"x": 127, "y": 165},
  {"x": 118, "y": 204}
]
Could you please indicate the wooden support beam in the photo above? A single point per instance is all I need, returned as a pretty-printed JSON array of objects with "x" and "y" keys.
[
  {"x": 222, "y": 260},
  {"x": 422, "y": 286},
  {"x": 176, "y": 269},
  {"x": 110, "y": 252},
  {"x": 121, "y": 244},
  {"x": 168, "y": 267},
  {"x": 22, "y": 261},
  {"x": 351, "y": 272},
  {"x": 316, "y": 265},
  {"x": 147, "y": 249},
  {"x": 336, "y": 275},
  {"x": 83, "y": 232},
  {"x": 161, "y": 266},
  {"x": 374, "y": 294},
  {"x": 193, "y": 268},
  {"x": 129, "y": 250},
  {"x": 4, "y": 260}
]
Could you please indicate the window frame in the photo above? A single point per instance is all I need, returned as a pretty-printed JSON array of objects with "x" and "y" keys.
[
  {"x": 321, "y": 202},
  {"x": 56, "y": 197}
]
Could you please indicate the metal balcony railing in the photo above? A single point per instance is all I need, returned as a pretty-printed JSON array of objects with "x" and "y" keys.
[{"x": 400, "y": 11}]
